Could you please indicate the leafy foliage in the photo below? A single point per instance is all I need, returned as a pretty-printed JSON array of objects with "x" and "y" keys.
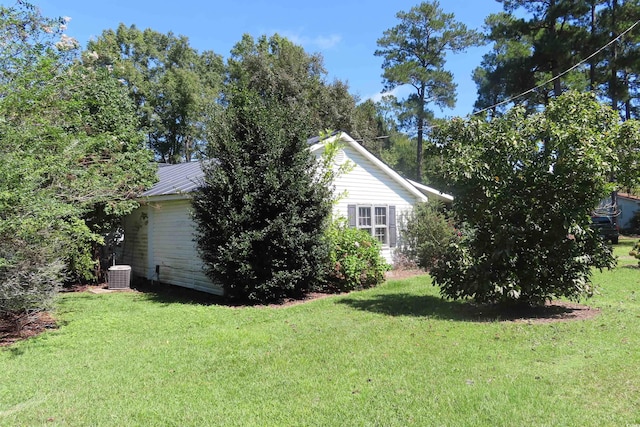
[
  {"x": 262, "y": 211},
  {"x": 627, "y": 153},
  {"x": 524, "y": 187},
  {"x": 275, "y": 67},
  {"x": 354, "y": 259},
  {"x": 635, "y": 251},
  {"x": 426, "y": 234},
  {"x": 531, "y": 51},
  {"x": 371, "y": 129},
  {"x": 73, "y": 162},
  {"x": 170, "y": 83},
  {"x": 537, "y": 43}
]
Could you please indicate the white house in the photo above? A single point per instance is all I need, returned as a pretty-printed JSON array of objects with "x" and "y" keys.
[
  {"x": 629, "y": 206},
  {"x": 159, "y": 236}
]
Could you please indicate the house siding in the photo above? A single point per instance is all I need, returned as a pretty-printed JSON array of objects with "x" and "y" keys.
[
  {"x": 170, "y": 246},
  {"x": 367, "y": 184},
  {"x": 629, "y": 206},
  {"x": 136, "y": 242}
]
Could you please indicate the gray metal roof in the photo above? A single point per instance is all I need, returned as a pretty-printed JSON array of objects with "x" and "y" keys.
[
  {"x": 314, "y": 140},
  {"x": 176, "y": 179},
  {"x": 186, "y": 177}
]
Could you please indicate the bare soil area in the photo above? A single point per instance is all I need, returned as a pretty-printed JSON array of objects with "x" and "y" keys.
[
  {"x": 555, "y": 311},
  {"x": 31, "y": 326}
]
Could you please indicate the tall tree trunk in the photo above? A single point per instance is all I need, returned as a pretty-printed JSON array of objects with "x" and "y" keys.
[
  {"x": 187, "y": 149},
  {"x": 627, "y": 102},
  {"x": 555, "y": 67}
]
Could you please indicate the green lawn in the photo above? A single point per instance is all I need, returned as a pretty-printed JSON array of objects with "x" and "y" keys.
[{"x": 392, "y": 356}]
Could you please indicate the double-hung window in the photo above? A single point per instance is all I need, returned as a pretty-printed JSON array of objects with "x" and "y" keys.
[{"x": 375, "y": 220}]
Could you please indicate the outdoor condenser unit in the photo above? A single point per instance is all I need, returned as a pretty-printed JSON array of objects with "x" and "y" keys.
[{"x": 119, "y": 277}]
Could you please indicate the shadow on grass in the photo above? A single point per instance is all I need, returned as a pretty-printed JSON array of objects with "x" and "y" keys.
[
  {"x": 403, "y": 304},
  {"x": 438, "y": 308},
  {"x": 170, "y": 294}
]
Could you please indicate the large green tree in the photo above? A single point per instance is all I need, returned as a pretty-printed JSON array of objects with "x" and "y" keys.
[
  {"x": 371, "y": 130},
  {"x": 170, "y": 83},
  {"x": 277, "y": 68},
  {"x": 538, "y": 47},
  {"x": 414, "y": 53},
  {"x": 261, "y": 212},
  {"x": 524, "y": 188},
  {"x": 263, "y": 208},
  {"x": 535, "y": 42},
  {"x": 619, "y": 67},
  {"x": 73, "y": 160}
]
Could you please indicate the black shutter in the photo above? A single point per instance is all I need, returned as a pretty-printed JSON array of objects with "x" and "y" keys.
[
  {"x": 392, "y": 227},
  {"x": 351, "y": 214}
]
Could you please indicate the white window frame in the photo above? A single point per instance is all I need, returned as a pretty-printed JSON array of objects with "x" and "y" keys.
[{"x": 370, "y": 223}]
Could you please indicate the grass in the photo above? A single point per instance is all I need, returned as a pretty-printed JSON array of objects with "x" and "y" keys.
[{"x": 397, "y": 355}]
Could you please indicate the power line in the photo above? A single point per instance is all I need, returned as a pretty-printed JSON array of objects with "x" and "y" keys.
[{"x": 561, "y": 74}]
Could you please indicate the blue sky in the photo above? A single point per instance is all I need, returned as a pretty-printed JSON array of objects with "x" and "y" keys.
[{"x": 344, "y": 32}]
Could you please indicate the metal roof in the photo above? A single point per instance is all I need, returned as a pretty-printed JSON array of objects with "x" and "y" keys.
[
  {"x": 187, "y": 177},
  {"x": 176, "y": 179},
  {"x": 317, "y": 139}
]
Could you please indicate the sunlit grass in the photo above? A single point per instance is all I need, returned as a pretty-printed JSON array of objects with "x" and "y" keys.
[{"x": 393, "y": 356}]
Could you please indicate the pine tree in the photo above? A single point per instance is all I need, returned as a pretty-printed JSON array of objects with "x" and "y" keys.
[{"x": 414, "y": 53}]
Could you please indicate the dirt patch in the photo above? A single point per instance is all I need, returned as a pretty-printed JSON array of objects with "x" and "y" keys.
[
  {"x": 403, "y": 273},
  {"x": 311, "y": 296},
  {"x": 33, "y": 325},
  {"x": 555, "y": 311}
]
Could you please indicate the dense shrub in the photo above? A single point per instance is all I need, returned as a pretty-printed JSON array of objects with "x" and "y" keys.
[
  {"x": 635, "y": 251},
  {"x": 355, "y": 261},
  {"x": 401, "y": 261},
  {"x": 30, "y": 275},
  {"x": 524, "y": 186},
  {"x": 261, "y": 213},
  {"x": 427, "y": 234}
]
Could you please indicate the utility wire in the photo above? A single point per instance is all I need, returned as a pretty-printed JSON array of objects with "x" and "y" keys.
[{"x": 561, "y": 74}]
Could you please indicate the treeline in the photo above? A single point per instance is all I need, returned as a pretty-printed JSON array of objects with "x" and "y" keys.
[
  {"x": 544, "y": 48},
  {"x": 536, "y": 46},
  {"x": 174, "y": 87}
]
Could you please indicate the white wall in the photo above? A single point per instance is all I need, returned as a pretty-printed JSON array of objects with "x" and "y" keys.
[
  {"x": 628, "y": 208},
  {"x": 135, "y": 245},
  {"x": 170, "y": 247},
  {"x": 367, "y": 184}
]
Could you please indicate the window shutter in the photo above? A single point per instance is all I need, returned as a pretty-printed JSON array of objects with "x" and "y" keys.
[
  {"x": 351, "y": 212},
  {"x": 392, "y": 227}
]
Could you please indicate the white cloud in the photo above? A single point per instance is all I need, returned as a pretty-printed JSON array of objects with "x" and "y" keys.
[
  {"x": 398, "y": 92},
  {"x": 377, "y": 97},
  {"x": 327, "y": 42},
  {"x": 323, "y": 42}
]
